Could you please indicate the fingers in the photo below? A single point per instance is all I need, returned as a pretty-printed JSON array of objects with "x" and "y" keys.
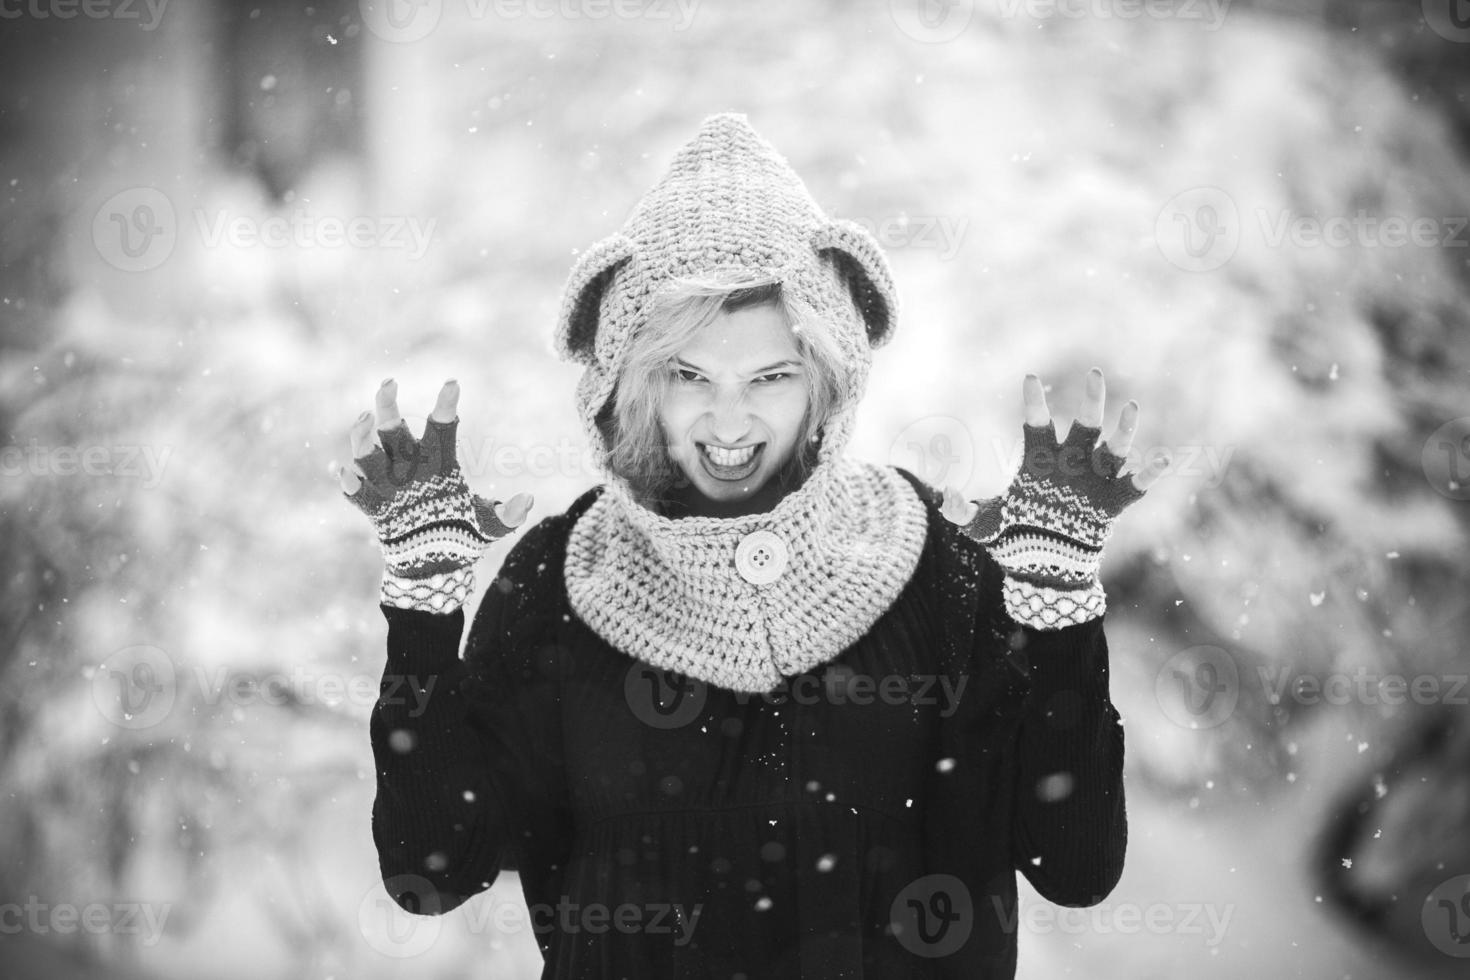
[
  {"x": 362, "y": 436},
  {"x": 498, "y": 519},
  {"x": 513, "y": 512},
  {"x": 402, "y": 449},
  {"x": 387, "y": 405},
  {"x": 1034, "y": 397},
  {"x": 384, "y": 448},
  {"x": 369, "y": 462},
  {"x": 1090, "y": 415},
  {"x": 446, "y": 409},
  {"x": 1150, "y": 474},
  {"x": 1091, "y": 412},
  {"x": 1122, "y": 438},
  {"x": 441, "y": 431},
  {"x": 956, "y": 508},
  {"x": 393, "y": 433}
]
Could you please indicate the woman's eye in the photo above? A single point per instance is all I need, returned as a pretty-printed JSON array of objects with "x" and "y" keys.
[{"x": 690, "y": 377}]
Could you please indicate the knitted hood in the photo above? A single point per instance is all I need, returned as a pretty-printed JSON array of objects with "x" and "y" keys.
[
  {"x": 729, "y": 201},
  {"x": 674, "y": 592}
]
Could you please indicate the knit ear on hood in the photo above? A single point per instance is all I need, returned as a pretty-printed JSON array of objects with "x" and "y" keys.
[
  {"x": 862, "y": 266},
  {"x": 576, "y": 329}
]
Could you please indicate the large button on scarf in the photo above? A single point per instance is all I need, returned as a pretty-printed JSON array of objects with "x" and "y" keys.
[{"x": 760, "y": 558}]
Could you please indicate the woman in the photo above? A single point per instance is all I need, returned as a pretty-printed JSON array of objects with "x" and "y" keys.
[{"x": 751, "y": 707}]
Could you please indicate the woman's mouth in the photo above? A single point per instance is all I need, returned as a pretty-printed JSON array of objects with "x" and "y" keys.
[{"x": 730, "y": 464}]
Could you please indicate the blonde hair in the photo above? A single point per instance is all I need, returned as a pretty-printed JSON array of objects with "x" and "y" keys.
[{"x": 629, "y": 421}]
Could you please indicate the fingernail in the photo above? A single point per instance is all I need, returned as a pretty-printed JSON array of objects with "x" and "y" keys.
[
  {"x": 386, "y": 382},
  {"x": 451, "y": 381},
  {"x": 365, "y": 415}
]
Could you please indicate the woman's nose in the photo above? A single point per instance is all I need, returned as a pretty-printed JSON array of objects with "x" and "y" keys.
[{"x": 729, "y": 418}]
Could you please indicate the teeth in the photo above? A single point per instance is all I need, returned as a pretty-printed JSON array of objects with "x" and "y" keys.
[{"x": 729, "y": 457}]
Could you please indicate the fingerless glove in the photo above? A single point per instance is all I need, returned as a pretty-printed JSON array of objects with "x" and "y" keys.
[
  {"x": 430, "y": 527},
  {"x": 1048, "y": 528}
]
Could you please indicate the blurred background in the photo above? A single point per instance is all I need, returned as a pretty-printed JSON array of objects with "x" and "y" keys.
[{"x": 224, "y": 223}]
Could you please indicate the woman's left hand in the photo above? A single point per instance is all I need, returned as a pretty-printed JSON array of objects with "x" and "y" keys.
[
  {"x": 1090, "y": 415},
  {"x": 1048, "y": 528}
]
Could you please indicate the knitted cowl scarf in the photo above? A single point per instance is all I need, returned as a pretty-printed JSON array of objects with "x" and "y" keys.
[{"x": 738, "y": 602}]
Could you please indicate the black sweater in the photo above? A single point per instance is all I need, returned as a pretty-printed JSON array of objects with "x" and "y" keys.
[{"x": 867, "y": 821}]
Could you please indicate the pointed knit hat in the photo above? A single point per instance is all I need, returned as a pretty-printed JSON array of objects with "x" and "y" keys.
[{"x": 835, "y": 552}]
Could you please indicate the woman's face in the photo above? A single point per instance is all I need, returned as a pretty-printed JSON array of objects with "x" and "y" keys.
[{"x": 734, "y": 408}]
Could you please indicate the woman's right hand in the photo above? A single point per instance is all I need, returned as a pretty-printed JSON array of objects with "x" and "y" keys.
[{"x": 431, "y": 527}]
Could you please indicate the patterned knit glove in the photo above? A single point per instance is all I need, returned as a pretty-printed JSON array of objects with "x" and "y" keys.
[
  {"x": 1048, "y": 528},
  {"x": 431, "y": 528}
]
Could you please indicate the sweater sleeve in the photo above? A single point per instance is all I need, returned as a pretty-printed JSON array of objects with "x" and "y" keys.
[
  {"x": 465, "y": 749},
  {"x": 1070, "y": 830}
]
